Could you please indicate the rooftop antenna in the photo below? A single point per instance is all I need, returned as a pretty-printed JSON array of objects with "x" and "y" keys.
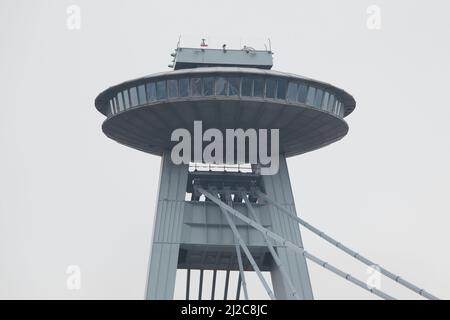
[
  {"x": 203, "y": 43},
  {"x": 174, "y": 54},
  {"x": 179, "y": 41}
]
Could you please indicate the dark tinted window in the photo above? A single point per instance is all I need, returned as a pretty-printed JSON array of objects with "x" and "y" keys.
[
  {"x": 341, "y": 109},
  {"x": 172, "y": 88},
  {"x": 119, "y": 98},
  {"x": 221, "y": 86},
  {"x": 336, "y": 105},
  {"x": 281, "y": 88},
  {"x": 196, "y": 87},
  {"x": 330, "y": 103},
  {"x": 142, "y": 94},
  {"x": 325, "y": 100},
  {"x": 233, "y": 86},
  {"x": 134, "y": 97},
  {"x": 318, "y": 99},
  {"x": 184, "y": 87},
  {"x": 151, "y": 91},
  {"x": 336, "y": 102},
  {"x": 311, "y": 96},
  {"x": 161, "y": 92},
  {"x": 208, "y": 86},
  {"x": 292, "y": 92},
  {"x": 126, "y": 99},
  {"x": 271, "y": 86},
  {"x": 258, "y": 87},
  {"x": 116, "y": 105},
  {"x": 302, "y": 91},
  {"x": 247, "y": 84}
]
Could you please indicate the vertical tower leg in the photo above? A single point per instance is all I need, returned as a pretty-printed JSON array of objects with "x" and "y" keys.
[
  {"x": 279, "y": 188},
  {"x": 167, "y": 230}
]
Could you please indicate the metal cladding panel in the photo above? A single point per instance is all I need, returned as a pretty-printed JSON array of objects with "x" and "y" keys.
[
  {"x": 205, "y": 224},
  {"x": 207, "y": 241},
  {"x": 170, "y": 205},
  {"x": 278, "y": 188},
  {"x": 168, "y": 221},
  {"x": 173, "y": 180},
  {"x": 162, "y": 271},
  {"x": 167, "y": 230}
]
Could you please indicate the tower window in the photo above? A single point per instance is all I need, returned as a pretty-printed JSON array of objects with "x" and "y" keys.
[
  {"x": 339, "y": 109},
  {"x": 335, "y": 107},
  {"x": 184, "y": 87},
  {"x": 151, "y": 91},
  {"x": 330, "y": 103},
  {"x": 134, "y": 97},
  {"x": 318, "y": 98},
  {"x": 208, "y": 86},
  {"x": 196, "y": 87},
  {"x": 302, "y": 92},
  {"x": 281, "y": 88},
  {"x": 258, "y": 87},
  {"x": 116, "y": 107},
  {"x": 325, "y": 101},
  {"x": 161, "y": 92},
  {"x": 270, "y": 88},
  {"x": 172, "y": 88},
  {"x": 142, "y": 95},
  {"x": 126, "y": 99},
  {"x": 311, "y": 95},
  {"x": 221, "y": 86},
  {"x": 233, "y": 86},
  {"x": 247, "y": 85},
  {"x": 292, "y": 92},
  {"x": 119, "y": 98},
  {"x": 111, "y": 107}
]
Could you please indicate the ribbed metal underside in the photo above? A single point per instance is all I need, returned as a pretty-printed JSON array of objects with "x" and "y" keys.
[
  {"x": 221, "y": 258},
  {"x": 148, "y": 128}
]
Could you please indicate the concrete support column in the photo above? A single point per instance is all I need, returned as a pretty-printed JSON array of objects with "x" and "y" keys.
[
  {"x": 278, "y": 187},
  {"x": 167, "y": 230}
]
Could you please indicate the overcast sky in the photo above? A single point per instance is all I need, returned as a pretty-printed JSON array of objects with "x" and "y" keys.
[{"x": 71, "y": 196}]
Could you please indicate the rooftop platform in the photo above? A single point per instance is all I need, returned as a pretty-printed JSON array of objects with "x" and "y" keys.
[{"x": 187, "y": 58}]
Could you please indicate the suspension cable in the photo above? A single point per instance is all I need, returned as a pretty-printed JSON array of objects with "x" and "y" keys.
[
  {"x": 241, "y": 242},
  {"x": 272, "y": 251},
  {"x": 347, "y": 250},
  {"x": 239, "y": 259},
  {"x": 226, "y": 208}
]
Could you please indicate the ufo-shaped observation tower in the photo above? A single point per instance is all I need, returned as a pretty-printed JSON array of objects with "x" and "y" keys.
[{"x": 229, "y": 217}]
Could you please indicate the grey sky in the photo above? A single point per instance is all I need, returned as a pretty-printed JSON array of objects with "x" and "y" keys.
[{"x": 71, "y": 196}]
